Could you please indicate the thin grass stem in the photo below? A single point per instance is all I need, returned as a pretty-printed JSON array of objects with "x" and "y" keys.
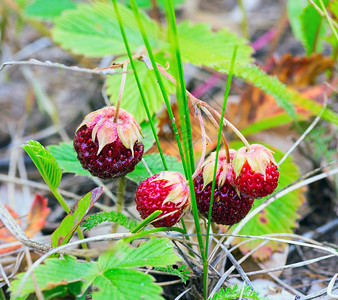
[{"x": 125, "y": 40}]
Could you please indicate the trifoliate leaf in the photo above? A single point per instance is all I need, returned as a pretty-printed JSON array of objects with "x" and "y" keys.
[
  {"x": 278, "y": 217},
  {"x": 47, "y": 9},
  {"x": 110, "y": 277},
  {"x": 45, "y": 163},
  {"x": 93, "y": 30},
  {"x": 65, "y": 155},
  {"x": 56, "y": 272},
  {"x": 155, "y": 165}
]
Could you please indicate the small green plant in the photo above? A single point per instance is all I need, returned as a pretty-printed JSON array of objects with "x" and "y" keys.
[{"x": 108, "y": 144}]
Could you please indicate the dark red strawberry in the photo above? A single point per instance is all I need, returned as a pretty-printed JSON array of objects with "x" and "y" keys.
[
  {"x": 229, "y": 207},
  {"x": 167, "y": 191},
  {"x": 256, "y": 171},
  {"x": 108, "y": 149}
]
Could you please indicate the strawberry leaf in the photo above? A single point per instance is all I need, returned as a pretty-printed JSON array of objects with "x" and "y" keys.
[
  {"x": 279, "y": 217},
  {"x": 110, "y": 277},
  {"x": 126, "y": 284},
  {"x": 93, "y": 30},
  {"x": 65, "y": 155},
  {"x": 47, "y": 10},
  {"x": 45, "y": 163},
  {"x": 69, "y": 224}
]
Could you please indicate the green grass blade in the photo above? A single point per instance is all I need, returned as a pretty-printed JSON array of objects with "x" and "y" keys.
[
  {"x": 138, "y": 82},
  {"x": 159, "y": 79}
]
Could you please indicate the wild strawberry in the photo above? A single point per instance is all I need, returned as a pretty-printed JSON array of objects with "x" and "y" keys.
[
  {"x": 167, "y": 191},
  {"x": 228, "y": 207},
  {"x": 108, "y": 149},
  {"x": 256, "y": 171}
]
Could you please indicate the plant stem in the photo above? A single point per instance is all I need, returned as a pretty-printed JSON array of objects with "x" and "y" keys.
[
  {"x": 329, "y": 19},
  {"x": 123, "y": 82},
  {"x": 226, "y": 94},
  {"x": 244, "y": 22},
  {"x": 181, "y": 93},
  {"x": 184, "y": 114},
  {"x": 120, "y": 199},
  {"x": 159, "y": 80},
  {"x": 125, "y": 40}
]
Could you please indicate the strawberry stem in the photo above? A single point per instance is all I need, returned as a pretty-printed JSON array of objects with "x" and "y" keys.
[{"x": 123, "y": 81}]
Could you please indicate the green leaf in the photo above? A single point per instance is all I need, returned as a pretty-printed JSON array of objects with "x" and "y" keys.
[
  {"x": 278, "y": 217},
  {"x": 109, "y": 216},
  {"x": 93, "y": 30},
  {"x": 155, "y": 165},
  {"x": 200, "y": 46},
  {"x": 148, "y": 137},
  {"x": 56, "y": 272},
  {"x": 131, "y": 100},
  {"x": 181, "y": 272},
  {"x": 110, "y": 277},
  {"x": 116, "y": 284},
  {"x": 235, "y": 292},
  {"x": 73, "y": 219},
  {"x": 313, "y": 28},
  {"x": 65, "y": 155},
  {"x": 155, "y": 253},
  {"x": 47, "y": 9},
  {"x": 45, "y": 163},
  {"x": 295, "y": 9}
]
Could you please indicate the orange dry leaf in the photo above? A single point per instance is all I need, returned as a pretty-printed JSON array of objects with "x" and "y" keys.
[
  {"x": 36, "y": 220},
  {"x": 299, "y": 73}
]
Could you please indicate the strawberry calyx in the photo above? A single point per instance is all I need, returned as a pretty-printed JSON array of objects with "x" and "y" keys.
[
  {"x": 178, "y": 188},
  {"x": 258, "y": 158},
  {"x": 224, "y": 170},
  {"x": 106, "y": 131}
]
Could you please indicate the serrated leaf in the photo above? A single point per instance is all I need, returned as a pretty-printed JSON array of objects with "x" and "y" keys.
[
  {"x": 278, "y": 217},
  {"x": 200, "y": 46},
  {"x": 47, "y": 9},
  {"x": 109, "y": 216},
  {"x": 65, "y": 155},
  {"x": 131, "y": 100},
  {"x": 116, "y": 284},
  {"x": 313, "y": 28},
  {"x": 155, "y": 165},
  {"x": 73, "y": 219},
  {"x": 93, "y": 30},
  {"x": 56, "y": 272},
  {"x": 110, "y": 279},
  {"x": 45, "y": 163},
  {"x": 155, "y": 253}
]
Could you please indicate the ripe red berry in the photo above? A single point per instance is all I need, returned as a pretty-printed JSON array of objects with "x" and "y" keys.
[
  {"x": 167, "y": 191},
  {"x": 229, "y": 207},
  {"x": 108, "y": 149},
  {"x": 256, "y": 171}
]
